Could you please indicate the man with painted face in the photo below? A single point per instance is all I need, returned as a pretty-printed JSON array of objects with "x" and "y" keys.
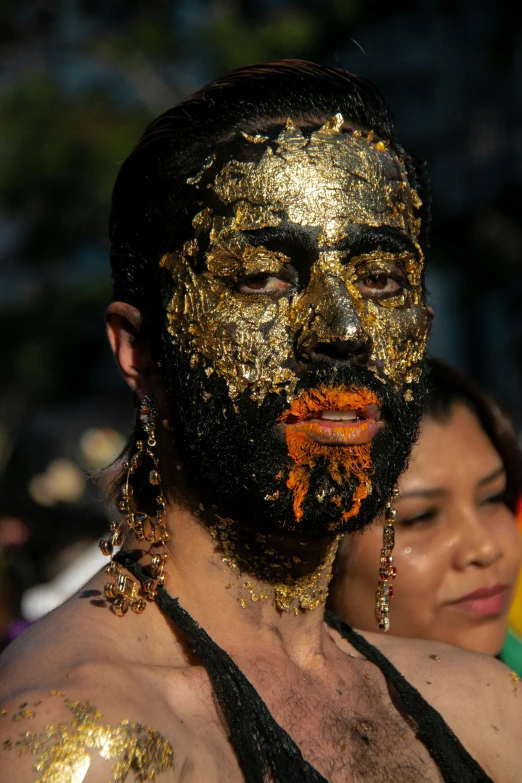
[{"x": 269, "y": 313}]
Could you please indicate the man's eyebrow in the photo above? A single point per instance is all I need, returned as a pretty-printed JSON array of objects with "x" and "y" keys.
[
  {"x": 297, "y": 242},
  {"x": 361, "y": 239},
  {"x": 301, "y": 242}
]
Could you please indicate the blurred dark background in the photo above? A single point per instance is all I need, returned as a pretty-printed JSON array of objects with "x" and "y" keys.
[{"x": 79, "y": 81}]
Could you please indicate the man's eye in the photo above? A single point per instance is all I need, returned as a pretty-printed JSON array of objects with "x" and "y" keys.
[
  {"x": 264, "y": 284},
  {"x": 379, "y": 284}
]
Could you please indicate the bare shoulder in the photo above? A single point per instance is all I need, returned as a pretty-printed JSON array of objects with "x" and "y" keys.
[
  {"x": 53, "y": 736},
  {"x": 477, "y": 695},
  {"x": 64, "y": 716},
  {"x": 74, "y": 709}
]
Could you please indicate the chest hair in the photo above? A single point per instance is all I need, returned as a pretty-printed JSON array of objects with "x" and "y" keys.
[{"x": 355, "y": 734}]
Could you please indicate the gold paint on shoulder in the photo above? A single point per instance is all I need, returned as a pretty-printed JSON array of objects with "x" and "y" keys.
[
  {"x": 64, "y": 749},
  {"x": 515, "y": 679},
  {"x": 23, "y": 713}
]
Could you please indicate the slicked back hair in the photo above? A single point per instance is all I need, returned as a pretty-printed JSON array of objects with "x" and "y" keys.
[{"x": 151, "y": 211}]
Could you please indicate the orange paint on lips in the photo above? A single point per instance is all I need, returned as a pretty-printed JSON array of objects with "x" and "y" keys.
[
  {"x": 345, "y": 450},
  {"x": 336, "y": 398},
  {"x": 339, "y": 433}
]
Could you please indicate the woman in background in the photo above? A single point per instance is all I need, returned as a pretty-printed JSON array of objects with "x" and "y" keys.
[{"x": 457, "y": 545}]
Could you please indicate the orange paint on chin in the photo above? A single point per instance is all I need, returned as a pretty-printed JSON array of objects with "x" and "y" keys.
[{"x": 305, "y": 452}]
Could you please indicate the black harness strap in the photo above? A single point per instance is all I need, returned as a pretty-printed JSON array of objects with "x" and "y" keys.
[{"x": 265, "y": 752}]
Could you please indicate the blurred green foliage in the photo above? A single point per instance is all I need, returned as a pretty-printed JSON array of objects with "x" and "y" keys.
[
  {"x": 58, "y": 160},
  {"x": 92, "y": 79}
]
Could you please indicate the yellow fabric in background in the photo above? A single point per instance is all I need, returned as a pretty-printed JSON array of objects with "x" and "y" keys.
[{"x": 515, "y": 614}]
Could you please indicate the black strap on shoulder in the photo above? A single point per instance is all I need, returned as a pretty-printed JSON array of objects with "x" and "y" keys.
[
  {"x": 264, "y": 750},
  {"x": 453, "y": 760}
]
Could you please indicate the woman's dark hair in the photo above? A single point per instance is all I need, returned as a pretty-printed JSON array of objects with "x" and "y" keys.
[
  {"x": 152, "y": 205},
  {"x": 447, "y": 387}
]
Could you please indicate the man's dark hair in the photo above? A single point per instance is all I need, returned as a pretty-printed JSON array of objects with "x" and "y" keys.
[
  {"x": 448, "y": 387},
  {"x": 151, "y": 209}
]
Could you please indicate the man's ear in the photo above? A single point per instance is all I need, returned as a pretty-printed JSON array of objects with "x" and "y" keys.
[{"x": 132, "y": 349}]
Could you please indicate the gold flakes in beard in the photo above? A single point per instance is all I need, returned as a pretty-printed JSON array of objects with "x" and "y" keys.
[
  {"x": 287, "y": 592},
  {"x": 64, "y": 749},
  {"x": 327, "y": 181}
]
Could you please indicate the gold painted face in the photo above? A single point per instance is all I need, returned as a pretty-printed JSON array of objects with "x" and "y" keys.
[{"x": 313, "y": 241}]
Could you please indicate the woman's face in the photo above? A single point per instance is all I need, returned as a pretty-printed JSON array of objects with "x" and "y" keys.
[{"x": 457, "y": 548}]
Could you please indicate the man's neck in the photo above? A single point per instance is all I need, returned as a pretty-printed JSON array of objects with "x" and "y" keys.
[{"x": 213, "y": 572}]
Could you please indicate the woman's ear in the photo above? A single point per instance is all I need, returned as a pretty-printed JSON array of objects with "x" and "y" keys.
[{"x": 132, "y": 349}]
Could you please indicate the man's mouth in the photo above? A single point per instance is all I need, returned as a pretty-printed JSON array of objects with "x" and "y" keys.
[{"x": 336, "y": 417}]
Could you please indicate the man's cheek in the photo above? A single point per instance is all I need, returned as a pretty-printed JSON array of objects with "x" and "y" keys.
[
  {"x": 193, "y": 301},
  {"x": 248, "y": 343},
  {"x": 399, "y": 339},
  {"x": 256, "y": 347}
]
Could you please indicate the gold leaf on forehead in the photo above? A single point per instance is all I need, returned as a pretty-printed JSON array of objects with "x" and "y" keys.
[
  {"x": 328, "y": 178},
  {"x": 291, "y": 138},
  {"x": 333, "y": 126},
  {"x": 202, "y": 221},
  {"x": 196, "y": 179},
  {"x": 257, "y": 139}
]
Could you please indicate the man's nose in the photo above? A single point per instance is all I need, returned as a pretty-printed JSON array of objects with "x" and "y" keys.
[{"x": 334, "y": 331}]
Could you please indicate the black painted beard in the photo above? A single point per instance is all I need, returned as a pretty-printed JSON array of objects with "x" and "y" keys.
[{"x": 236, "y": 463}]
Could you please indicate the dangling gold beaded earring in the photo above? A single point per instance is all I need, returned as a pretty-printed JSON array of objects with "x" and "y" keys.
[
  {"x": 125, "y": 591},
  {"x": 387, "y": 570}
]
